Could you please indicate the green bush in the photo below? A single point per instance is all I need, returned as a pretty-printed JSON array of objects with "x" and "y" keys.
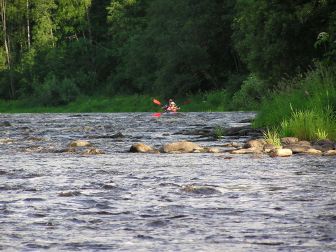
[
  {"x": 250, "y": 94},
  {"x": 54, "y": 92}
]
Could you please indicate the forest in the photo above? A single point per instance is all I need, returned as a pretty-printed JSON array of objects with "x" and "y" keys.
[{"x": 53, "y": 52}]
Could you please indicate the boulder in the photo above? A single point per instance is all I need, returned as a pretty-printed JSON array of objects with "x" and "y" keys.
[
  {"x": 256, "y": 143},
  {"x": 141, "y": 148},
  {"x": 211, "y": 150},
  {"x": 289, "y": 140},
  {"x": 232, "y": 144},
  {"x": 246, "y": 151},
  {"x": 299, "y": 147},
  {"x": 324, "y": 145},
  {"x": 312, "y": 151},
  {"x": 269, "y": 147},
  {"x": 330, "y": 153},
  {"x": 181, "y": 147},
  {"x": 281, "y": 153},
  {"x": 304, "y": 143},
  {"x": 80, "y": 143}
]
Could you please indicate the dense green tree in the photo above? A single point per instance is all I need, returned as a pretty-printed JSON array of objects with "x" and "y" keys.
[
  {"x": 276, "y": 38},
  {"x": 178, "y": 47}
]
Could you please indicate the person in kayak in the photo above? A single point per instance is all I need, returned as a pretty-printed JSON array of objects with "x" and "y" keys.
[{"x": 171, "y": 107}]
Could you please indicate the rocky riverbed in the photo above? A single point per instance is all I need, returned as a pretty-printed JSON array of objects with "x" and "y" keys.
[{"x": 73, "y": 182}]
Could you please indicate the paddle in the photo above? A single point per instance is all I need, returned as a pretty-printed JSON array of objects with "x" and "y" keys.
[{"x": 157, "y": 102}]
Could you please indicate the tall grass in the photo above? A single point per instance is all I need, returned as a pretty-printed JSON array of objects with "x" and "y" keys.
[
  {"x": 272, "y": 137},
  {"x": 310, "y": 125},
  {"x": 307, "y": 110}
]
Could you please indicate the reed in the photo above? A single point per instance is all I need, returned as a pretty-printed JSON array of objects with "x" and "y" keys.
[{"x": 272, "y": 137}]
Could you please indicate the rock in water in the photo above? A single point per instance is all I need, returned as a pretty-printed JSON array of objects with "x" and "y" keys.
[
  {"x": 181, "y": 147},
  {"x": 281, "y": 153},
  {"x": 142, "y": 148},
  {"x": 80, "y": 143}
]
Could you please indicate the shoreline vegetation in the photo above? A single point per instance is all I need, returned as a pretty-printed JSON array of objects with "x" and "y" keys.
[
  {"x": 303, "y": 107},
  {"x": 215, "y": 101}
]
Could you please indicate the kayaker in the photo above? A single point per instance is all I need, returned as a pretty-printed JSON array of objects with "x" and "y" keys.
[{"x": 171, "y": 106}]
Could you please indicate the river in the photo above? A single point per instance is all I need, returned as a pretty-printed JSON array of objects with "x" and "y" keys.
[{"x": 52, "y": 200}]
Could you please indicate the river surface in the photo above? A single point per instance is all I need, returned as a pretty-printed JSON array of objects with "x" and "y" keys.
[{"x": 121, "y": 201}]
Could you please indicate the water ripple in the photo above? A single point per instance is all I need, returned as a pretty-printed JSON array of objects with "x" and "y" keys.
[{"x": 119, "y": 201}]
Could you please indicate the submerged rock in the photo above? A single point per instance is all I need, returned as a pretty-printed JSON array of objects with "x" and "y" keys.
[
  {"x": 6, "y": 141},
  {"x": 199, "y": 189},
  {"x": 243, "y": 131},
  {"x": 118, "y": 135},
  {"x": 181, "y": 147},
  {"x": 93, "y": 151},
  {"x": 35, "y": 139},
  {"x": 69, "y": 194},
  {"x": 5, "y": 124}
]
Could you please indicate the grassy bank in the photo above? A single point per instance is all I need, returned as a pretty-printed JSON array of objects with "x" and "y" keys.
[
  {"x": 206, "y": 102},
  {"x": 304, "y": 107}
]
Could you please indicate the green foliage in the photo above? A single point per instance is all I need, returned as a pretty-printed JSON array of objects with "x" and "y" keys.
[
  {"x": 202, "y": 48},
  {"x": 250, "y": 94},
  {"x": 219, "y": 132},
  {"x": 54, "y": 92},
  {"x": 311, "y": 125},
  {"x": 316, "y": 90},
  {"x": 272, "y": 137},
  {"x": 275, "y": 38},
  {"x": 185, "y": 40},
  {"x": 308, "y": 111}
]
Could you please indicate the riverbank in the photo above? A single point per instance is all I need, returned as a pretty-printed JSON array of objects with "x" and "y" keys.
[
  {"x": 215, "y": 101},
  {"x": 304, "y": 107}
]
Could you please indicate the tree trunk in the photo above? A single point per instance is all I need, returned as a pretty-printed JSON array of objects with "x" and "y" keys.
[
  {"x": 28, "y": 25},
  {"x": 7, "y": 46}
]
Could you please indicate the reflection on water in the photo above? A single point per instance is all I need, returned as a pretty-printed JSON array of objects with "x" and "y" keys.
[{"x": 144, "y": 202}]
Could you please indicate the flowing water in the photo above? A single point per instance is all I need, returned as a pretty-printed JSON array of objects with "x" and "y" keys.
[{"x": 54, "y": 200}]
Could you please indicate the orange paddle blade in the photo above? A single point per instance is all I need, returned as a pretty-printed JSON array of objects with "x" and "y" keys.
[
  {"x": 157, "y": 102},
  {"x": 156, "y": 114}
]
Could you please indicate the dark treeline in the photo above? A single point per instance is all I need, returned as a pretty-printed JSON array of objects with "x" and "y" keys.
[{"x": 57, "y": 50}]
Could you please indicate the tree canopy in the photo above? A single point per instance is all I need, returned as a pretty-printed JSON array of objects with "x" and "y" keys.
[{"x": 57, "y": 50}]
